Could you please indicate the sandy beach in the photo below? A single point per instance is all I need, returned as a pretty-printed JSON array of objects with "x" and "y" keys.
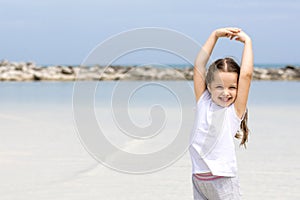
[{"x": 41, "y": 156}]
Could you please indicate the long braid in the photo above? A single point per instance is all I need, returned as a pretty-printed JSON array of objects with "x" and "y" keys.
[{"x": 244, "y": 129}]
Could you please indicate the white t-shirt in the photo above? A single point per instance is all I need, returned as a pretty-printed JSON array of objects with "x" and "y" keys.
[{"x": 212, "y": 142}]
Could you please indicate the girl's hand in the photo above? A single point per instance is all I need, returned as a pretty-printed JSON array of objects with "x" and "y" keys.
[
  {"x": 242, "y": 37},
  {"x": 227, "y": 32}
]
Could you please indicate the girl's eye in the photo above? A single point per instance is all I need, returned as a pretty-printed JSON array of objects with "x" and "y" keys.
[
  {"x": 233, "y": 88},
  {"x": 219, "y": 87}
]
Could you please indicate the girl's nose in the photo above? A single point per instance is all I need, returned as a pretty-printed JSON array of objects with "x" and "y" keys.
[{"x": 225, "y": 92}]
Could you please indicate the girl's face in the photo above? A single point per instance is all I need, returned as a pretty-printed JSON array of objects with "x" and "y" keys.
[{"x": 223, "y": 88}]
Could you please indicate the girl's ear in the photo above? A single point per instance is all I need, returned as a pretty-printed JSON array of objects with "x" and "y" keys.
[{"x": 208, "y": 88}]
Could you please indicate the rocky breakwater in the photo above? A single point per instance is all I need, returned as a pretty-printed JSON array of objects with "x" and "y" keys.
[{"x": 12, "y": 71}]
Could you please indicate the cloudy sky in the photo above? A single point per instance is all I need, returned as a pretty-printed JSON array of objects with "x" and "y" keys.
[{"x": 65, "y": 31}]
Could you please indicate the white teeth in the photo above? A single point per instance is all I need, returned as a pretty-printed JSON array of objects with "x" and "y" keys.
[{"x": 225, "y": 99}]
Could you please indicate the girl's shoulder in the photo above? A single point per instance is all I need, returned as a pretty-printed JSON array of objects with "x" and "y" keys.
[
  {"x": 204, "y": 97},
  {"x": 232, "y": 112}
]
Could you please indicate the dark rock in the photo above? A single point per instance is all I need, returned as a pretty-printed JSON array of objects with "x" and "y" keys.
[
  {"x": 67, "y": 70},
  {"x": 13, "y": 71},
  {"x": 290, "y": 67}
]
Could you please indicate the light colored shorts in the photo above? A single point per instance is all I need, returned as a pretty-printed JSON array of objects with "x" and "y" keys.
[{"x": 224, "y": 188}]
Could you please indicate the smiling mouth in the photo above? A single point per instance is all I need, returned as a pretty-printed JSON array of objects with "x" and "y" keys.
[{"x": 225, "y": 99}]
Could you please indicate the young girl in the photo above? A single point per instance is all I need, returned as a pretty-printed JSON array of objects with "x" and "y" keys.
[{"x": 221, "y": 113}]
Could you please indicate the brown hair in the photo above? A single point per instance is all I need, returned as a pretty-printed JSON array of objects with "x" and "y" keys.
[{"x": 229, "y": 65}]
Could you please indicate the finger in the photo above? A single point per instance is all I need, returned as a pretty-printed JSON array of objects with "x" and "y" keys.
[
  {"x": 234, "y": 30},
  {"x": 229, "y": 32},
  {"x": 234, "y": 36},
  {"x": 238, "y": 39},
  {"x": 229, "y": 35}
]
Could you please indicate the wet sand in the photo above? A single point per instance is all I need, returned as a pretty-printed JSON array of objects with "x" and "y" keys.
[{"x": 41, "y": 157}]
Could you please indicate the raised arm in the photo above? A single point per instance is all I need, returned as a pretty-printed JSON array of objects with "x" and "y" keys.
[
  {"x": 245, "y": 77},
  {"x": 204, "y": 55}
]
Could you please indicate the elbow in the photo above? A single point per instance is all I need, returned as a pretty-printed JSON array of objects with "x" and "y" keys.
[
  {"x": 246, "y": 75},
  {"x": 247, "y": 71}
]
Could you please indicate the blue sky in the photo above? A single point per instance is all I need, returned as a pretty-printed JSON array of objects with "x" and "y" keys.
[{"x": 65, "y": 31}]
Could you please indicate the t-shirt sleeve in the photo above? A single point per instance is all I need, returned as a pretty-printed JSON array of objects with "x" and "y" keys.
[
  {"x": 234, "y": 114},
  {"x": 235, "y": 120},
  {"x": 204, "y": 97}
]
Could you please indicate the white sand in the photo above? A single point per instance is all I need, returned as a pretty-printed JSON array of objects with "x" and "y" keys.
[{"x": 41, "y": 157}]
